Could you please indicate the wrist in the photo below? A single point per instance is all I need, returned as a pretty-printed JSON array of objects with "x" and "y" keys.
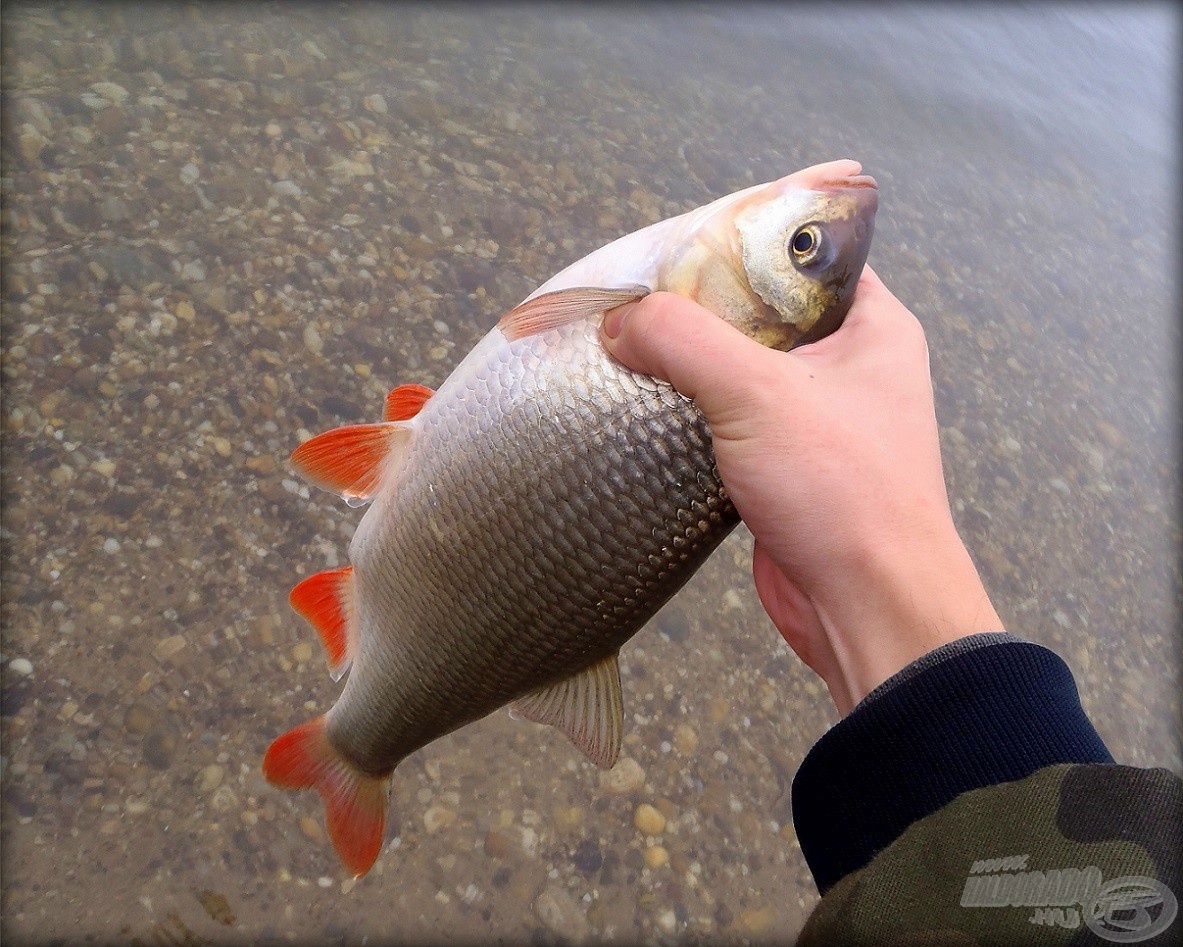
[{"x": 902, "y": 605}]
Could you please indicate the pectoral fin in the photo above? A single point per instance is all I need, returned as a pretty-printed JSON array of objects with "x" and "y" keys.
[
  {"x": 551, "y": 310},
  {"x": 588, "y": 707}
]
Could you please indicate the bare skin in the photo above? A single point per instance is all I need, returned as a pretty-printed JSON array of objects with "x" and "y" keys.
[{"x": 830, "y": 454}]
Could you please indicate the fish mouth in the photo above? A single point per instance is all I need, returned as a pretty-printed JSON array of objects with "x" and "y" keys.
[{"x": 853, "y": 181}]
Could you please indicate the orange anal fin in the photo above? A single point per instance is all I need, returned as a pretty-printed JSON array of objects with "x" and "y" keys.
[
  {"x": 355, "y": 802},
  {"x": 325, "y": 601},
  {"x": 348, "y": 460},
  {"x": 405, "y": 401},
  {"x": 551, "y": 310}
]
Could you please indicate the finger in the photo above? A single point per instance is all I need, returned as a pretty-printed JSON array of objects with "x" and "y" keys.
[{"x": 679, "y": 341}]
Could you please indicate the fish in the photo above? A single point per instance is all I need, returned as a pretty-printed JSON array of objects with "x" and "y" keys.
[{"x": 527, "y": 518}]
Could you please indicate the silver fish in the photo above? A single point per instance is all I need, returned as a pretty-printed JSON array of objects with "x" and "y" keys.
[{"x": 531, "y": 515}]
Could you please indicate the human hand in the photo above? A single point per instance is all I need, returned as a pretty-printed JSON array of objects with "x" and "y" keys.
[{"x": 830, "y": 454}]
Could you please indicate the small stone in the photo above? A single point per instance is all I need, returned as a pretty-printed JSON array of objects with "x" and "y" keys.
[
  {"x": 685, "y": 739},
  {"x": 160, "y": 745},
  {"x": 568, "y": 818},
  {"x": 375, "y": 103},
  {"x": 649, "y": 820},
  {"x": 668, "y": 922},
  {"x": 186, "y": 312},
  {"x": 436, "y": 818},
  {"x": 217, "y": 907},
  {"x": 104, "y": 468},
  {"x": 111, "y": 546},
  {"x": 222, "y": 447},
  {"x": 588, "y": 858},
  {"x": 210, "y": 778},
  {"x": 310, "y": 827},
  {"x": 169, "y": 647},
  {"x": 138, "y": 719},
  {"x": 115, "y": 94},
  {"x": 135, "y": 807},
  {"x": 497, "y": 844},
  {"x": 273, "y": 130},
  {"x": 656, "y": 857},
  {"x": 287, "y": 188},
  {"x": 21, "y": 666},
  {"x": 302, "y": 652},
  {"x": 312, "y": 340},
  {"x": 561, "y": 915},
  {"x": 626, "y": 776},
  {"x": 758, "y": 920}
]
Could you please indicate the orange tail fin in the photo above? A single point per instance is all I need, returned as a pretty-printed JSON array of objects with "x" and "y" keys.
[{"x": 355, "y": 803}]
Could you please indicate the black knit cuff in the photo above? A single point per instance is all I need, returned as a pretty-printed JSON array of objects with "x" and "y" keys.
[{"x": 978, "y": 717}]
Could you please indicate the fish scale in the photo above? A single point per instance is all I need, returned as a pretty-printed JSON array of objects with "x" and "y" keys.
[
  {"x": 561, "y": 602},
  {"x": 532, "y": 514}
]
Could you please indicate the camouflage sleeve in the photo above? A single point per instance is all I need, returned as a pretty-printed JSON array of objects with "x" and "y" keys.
[
  {"x": 1072, "y": 855},
  {"x": 983, "y": 711}
]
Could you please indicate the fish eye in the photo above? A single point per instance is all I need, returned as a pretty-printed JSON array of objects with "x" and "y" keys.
[{"x": 805, "y": 243}]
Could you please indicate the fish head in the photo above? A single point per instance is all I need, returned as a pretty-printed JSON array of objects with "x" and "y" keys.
[
  {"x": 801, "y": 243},
  {"x": 804, "y": 241}
]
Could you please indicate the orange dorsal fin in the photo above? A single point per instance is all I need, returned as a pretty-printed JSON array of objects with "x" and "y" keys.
[
  {"x": 325, "y": 601},
  {"x": 405, "y": 401},
  {"x": 349, "y": 460},
  {"x": 551, "y": 310},
  {"x": 355, "y": 802}
]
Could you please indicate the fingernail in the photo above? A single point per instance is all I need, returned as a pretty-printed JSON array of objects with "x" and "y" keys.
[{"x": 614, "y": 319}]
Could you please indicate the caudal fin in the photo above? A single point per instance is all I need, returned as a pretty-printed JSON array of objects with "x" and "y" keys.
[{"x": 355, "y": 802}]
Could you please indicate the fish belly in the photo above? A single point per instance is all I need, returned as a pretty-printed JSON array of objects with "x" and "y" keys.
[{"x": 550, "y": 502}]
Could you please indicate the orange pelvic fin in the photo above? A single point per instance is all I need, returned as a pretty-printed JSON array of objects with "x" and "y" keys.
[
  {"x": 325, "y": 601},
  {"x": 551, "y": 310},
  {"x": 355, "y": 803},
  {"x": 405, "y": 401},
  {"x": 349, "y": 460}
]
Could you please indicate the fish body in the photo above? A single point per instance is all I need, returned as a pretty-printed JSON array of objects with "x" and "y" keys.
[{"x": 529, "y": 516}]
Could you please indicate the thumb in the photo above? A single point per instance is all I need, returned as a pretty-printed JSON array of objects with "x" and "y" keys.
[{"x": 677, "y": 340}]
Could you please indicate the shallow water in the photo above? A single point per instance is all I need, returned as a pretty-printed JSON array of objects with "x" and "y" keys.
[{"x": 279, "y": 213}]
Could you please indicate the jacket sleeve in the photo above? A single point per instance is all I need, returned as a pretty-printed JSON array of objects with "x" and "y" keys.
[
  {"x": 977, "y": 712},
  {"x": 969, "y": 800}
]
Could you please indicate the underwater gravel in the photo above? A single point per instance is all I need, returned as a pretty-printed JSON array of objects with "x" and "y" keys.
[{"x": 226, "y": 228}]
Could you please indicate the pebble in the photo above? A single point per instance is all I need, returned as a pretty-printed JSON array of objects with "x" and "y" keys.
[
  {"x": 310, "y": 827},
  {"x": 667, "y": 921},
  {"x": 302, "y": 652},
  {"x": 110, "y": 92},
  {"x": 21, "y": 666},
  {"x": 626, "y": 776},
  {"x": 169, "y": 647},
  {"x": 758, "y": 920},
  {"x": 656, "y": 857},
  {"x": 649, "y": 820},
  {"x": 685, "y": 740},
  {"x": 287, "y": 188},
  {"x": 561, "y": 915},
  {"x": 436, "y": 818},
  {"x": 190, "y": 174},
  {"x": 312, "y": 340},
  {"x": 210, "y": 778},
  {"x": 104, "y": 468},
  {"x": 138, "y": 719},
  {"x": 375, "y": 103}
]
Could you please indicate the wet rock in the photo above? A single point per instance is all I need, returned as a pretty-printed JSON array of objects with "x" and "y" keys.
[
  {"x": 649, "y": 820},
  {"x": 626, "y": 776},
  {"x": 210, "y": 778},
  {"x": 160, "y": 745},
  {"x": 560, "y": 914},
  {"x": 656, "y": 857},
  {"x": 588, "y": 858}
]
